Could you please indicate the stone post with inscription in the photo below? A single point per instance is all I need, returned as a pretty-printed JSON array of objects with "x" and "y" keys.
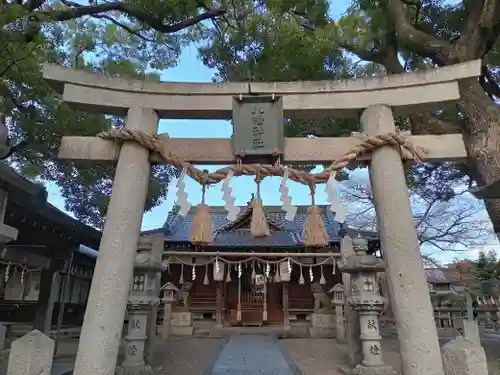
[
  {"x": 367, "y": 301},
  {"x": 142, "y": 299}
]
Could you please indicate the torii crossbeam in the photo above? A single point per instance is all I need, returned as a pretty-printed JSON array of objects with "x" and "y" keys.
[{"x": 144, "y": 103}]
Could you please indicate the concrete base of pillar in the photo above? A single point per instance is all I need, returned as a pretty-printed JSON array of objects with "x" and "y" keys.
[
  {"x": 182, "y": 331},
  {"x": 134, "y": 370},
  {"x": 369, "y": 370},
  {"x": 326, "y": 333}
]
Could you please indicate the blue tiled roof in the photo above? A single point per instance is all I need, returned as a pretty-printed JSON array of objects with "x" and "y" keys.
[{"x": 178, "y": 228}]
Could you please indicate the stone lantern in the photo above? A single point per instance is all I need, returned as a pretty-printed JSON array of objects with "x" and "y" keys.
[
  {"x": 365, "y": 298},
  {"x": 169, "y": 291},
  {"x": 141, "y": 300},
  {"x": 338, "y": 301}
]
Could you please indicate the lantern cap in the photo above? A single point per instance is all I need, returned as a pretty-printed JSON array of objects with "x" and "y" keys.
[
  {"x": 360, "y": 244},
  {"x": 170, "y": 287}
]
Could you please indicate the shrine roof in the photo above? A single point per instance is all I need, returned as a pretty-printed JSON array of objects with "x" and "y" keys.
[
  {"x": 32, "y": 198},
  {"x": 228, "y": 234},
  {"x": 436, "y": 276}
]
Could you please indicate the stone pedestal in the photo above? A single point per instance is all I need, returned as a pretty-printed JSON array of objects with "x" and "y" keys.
[
  {"x": 351, "y": 316},
  {"x": 463, "y": 357},
  {"x": 323, "y": 325},
  {"x": 31, "y": 355},
  {"x": 168, "y": 300},
  {"x": 134, "y": 363},
  {"x": 167, "y": 321},
  {"x": 181, "y": 323},
  {"x": 141, "y": 301},
  {"x": 338, "y": 301},
  {"x": 340, "y": 324}
]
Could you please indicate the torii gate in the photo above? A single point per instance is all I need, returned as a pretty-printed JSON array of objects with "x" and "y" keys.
[{"x": 144, "y": 103}]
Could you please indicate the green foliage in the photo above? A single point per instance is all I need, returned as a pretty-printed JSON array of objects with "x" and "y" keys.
[
  {"x": 297, "y": 40},
  {"x": 487, "y": 267},
  {"x": 135, "y": 40}
]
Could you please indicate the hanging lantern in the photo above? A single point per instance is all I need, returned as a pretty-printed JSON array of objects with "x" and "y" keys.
[
  {"x": 284, "y": 270},
  {"x": 218, "y": 270}
]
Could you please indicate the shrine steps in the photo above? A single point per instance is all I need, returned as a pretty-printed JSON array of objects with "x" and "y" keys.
[{"x": 275, "y": 331}]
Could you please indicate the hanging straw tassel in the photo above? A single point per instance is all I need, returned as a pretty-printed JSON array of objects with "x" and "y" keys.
[
  {"x": 181, "y": 278},
  {"x": 301, "y": 278},
  {"x": 201, "y": 228},
  {"x": 314, "y": 227},
  {"x": 254, "y": 275},
  {"x": 322, "y": 279},
  {"x": 228, "y": 277},
  {"x": 205, "y": 280},
  {"x": 334, "y": 266},
  {"x": 259, "y": 226}
]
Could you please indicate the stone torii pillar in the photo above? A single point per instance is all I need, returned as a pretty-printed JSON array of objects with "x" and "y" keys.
[
  {"x": 102, "y": 327},
  {"x": 418, "y": 339}
]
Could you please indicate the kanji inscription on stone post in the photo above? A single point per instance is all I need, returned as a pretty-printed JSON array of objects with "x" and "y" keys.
[{"x": 258, "y": 125}]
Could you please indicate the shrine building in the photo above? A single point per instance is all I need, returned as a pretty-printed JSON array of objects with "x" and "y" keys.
[{"x": 274, "y": 302}]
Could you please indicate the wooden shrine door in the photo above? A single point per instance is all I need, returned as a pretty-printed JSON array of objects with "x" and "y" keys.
[{"x": 255, "y": 294}]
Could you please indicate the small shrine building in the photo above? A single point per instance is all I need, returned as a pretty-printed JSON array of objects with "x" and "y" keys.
[{"x": 275, "y": 302}]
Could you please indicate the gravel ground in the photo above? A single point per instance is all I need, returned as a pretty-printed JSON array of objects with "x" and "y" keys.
[
  {"x": 196, "y": 356},
  {"x": 187, "y": 356},
  {"x": 323, "y": 356}
]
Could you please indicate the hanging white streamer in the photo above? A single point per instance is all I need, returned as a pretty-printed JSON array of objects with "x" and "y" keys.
[
  {"x": 330, "y": 189},
  {"x": 336, "y": 204},
  {"x": 289, "y": 265},
  {"x": 182, "y": 196},
  {"x": 193, "y": 272},
  {"x": 311, "y": 274},
  {"x": 240, "y": 272},
  {"x": 341, "y": 213},
  {"x": 227, "y": 195},
  {"x": 217, "y": 265},
  {"x": 285, "y": 198}
]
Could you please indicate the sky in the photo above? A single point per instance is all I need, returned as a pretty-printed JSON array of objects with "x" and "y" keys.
[{"x": 191, "y": 69}]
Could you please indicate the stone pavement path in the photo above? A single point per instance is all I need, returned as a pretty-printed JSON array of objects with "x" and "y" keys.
[{"x": 251, "y": 355}]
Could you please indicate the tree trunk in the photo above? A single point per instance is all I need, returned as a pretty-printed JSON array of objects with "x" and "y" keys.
[{"x": 482, "y": 139}]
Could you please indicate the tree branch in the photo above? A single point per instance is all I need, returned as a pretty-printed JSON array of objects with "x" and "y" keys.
[
  {"x": 76, "y": 10},
  {"x": 440, "y": 51},
  {"x": 475, "y": 38},
  {"x": 124, "y": 27}
]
